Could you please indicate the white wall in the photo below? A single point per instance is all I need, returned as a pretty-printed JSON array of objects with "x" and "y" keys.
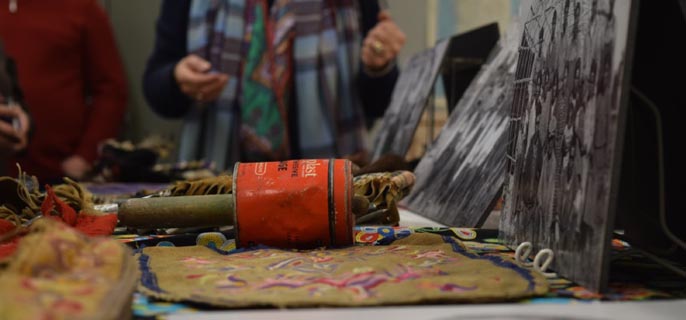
[{"x": 134, "y": 27}]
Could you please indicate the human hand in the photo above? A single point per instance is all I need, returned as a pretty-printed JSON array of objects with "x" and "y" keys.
[
  {"x": 13, "y": 139},
  {"x": 75, "y": 167},
  {"x": 193, "y": 75},
  {"x": 383, "y": 43}
]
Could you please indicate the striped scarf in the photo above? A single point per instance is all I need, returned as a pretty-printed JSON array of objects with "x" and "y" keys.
[{"x": 314, "y": 43}]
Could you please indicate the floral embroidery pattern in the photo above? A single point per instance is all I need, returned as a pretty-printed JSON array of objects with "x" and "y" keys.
[{"x": 359, "y": 275}]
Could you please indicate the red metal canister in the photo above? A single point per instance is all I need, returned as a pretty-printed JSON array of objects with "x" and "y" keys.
[{"x": 294, "y": 204}]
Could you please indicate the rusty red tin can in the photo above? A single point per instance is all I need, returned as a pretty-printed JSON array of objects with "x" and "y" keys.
[{"x": 294, "y": 204}]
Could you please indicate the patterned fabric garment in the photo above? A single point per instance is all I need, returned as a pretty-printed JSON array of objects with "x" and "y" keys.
[
  {"x": 313, "y": 43},
  {"x": 644, "y": 281},
  {"x": 262, "y": 126},
  {"x": 421, "y": 268},
  {"x": 60, "y": 273}
]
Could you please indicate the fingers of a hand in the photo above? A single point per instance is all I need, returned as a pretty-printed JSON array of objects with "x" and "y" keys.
[
  {"x": 376, "y": 45},
  {"x": 390, "y": 32},
  {"x": 368, "y": 52},
  {"x": 206, "y": 91},
  {"x": 198, "y": 79},
  {"x": 379, "y": 47},
  {"x": 384, "y": 15},
  {"x": 192, "y": 88},
  {"x": 186, "y": 89},
  {"x": 7, "y": 129},
  {"x": 196, "y": 63},
  {"x": 24, "y": 122},
  {"x": 12, "y": 140},
  {"x": 397, "y": 35},
  {"x": 391, "y": 37},
  {"x": 212, "y": 91},
  {"x": 366, "y": 55},
  {"x": 192, "y": 70},
  {"x": 373, "y": 59},
  {"x": 7, "y": 111}
]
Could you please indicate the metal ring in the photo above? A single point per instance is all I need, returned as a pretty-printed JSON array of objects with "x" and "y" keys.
[{"x": 377, "y": 46}]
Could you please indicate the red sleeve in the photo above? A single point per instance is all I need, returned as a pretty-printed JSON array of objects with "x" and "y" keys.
[{"x": 105, "y": 81}]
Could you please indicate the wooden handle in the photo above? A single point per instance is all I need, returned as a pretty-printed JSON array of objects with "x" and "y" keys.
[
  {"x": 177, "y": 212},
  {"x": 191, "y": 211}
]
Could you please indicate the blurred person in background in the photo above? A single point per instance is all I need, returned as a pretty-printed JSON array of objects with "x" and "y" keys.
[
  {"x": 72, "y": 78},
  {"x": 15, "y": 123},
  {"x": 259, "y": 80}
]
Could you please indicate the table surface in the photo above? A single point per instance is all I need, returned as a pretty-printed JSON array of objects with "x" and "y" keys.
[
  {"x": 673, "y": 309},
  {"x": 411, "y": 219}
]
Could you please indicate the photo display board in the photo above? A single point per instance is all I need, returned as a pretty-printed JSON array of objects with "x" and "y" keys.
[
  {"x": 566, "y": 133},
  {"x": 460, "y": 177},
  {"x": 410, "y": 95}
]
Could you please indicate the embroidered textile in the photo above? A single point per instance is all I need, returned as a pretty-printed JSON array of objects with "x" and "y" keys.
[
  {"x": 59, "y": 273},
  {"x": 420, "y": 268}
]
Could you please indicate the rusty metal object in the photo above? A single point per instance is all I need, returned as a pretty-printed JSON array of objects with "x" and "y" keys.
[{"x": 293, "y": 204}]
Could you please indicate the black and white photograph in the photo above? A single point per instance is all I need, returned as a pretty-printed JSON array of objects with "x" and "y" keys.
[
  {"x": 460, "y": 177},
  {"x": 408, "y": 101},
  {"x": 564, "y": 143}
]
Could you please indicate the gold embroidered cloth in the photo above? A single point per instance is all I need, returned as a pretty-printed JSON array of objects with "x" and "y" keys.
[
  {"x": 60, "y": 273},
  {"x": 419, "y": 269}
]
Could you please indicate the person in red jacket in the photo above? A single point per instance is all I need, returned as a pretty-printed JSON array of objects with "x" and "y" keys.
[{"x": 73, "y": 82}]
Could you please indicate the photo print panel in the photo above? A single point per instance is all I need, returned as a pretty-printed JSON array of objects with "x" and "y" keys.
[
  {"x": 410, "y": 95},
  {"x": 566, "y": 132},
  {"x": 460, "y": 177}
]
